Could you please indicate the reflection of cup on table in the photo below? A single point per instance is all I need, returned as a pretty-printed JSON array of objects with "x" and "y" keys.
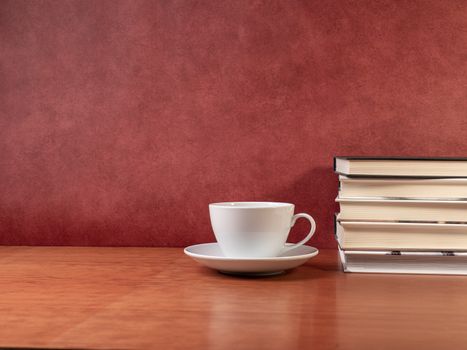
[{"x": 255, "y": 229}]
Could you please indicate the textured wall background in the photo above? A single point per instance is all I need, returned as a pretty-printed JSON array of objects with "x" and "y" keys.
[{"x": 121, "y": 120}]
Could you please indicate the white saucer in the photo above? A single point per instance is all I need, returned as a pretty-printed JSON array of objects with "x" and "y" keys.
[{"x": 210, "y": 255}]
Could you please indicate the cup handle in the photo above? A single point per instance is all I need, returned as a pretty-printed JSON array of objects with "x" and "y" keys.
[{"x": 308, "y": 237}]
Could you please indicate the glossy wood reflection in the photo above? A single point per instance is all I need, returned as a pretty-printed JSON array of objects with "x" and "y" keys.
[{"x": 147, "y": 298}]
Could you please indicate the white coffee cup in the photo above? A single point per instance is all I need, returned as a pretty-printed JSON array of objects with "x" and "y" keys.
[{"x": 255, "y": 229}]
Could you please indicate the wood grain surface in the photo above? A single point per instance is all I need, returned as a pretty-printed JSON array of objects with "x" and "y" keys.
[{"x": 157, "y": 298}]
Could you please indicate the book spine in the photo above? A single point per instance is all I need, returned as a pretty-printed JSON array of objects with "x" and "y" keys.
[
  {"x": 335, "y": 226},
  {"x": 342, "y": 259}
]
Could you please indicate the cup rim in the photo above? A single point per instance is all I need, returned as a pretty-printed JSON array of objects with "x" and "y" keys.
[{"x": 250, "y": 205}]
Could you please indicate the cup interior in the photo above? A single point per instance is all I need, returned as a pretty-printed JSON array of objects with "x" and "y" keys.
[{"x": 250, "y": 205}]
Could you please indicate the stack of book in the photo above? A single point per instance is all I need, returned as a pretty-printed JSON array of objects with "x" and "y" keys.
[{"x": 402, "y": 215}]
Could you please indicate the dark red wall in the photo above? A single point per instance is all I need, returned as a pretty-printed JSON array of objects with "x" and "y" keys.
[{"x": 121, "y": 120}]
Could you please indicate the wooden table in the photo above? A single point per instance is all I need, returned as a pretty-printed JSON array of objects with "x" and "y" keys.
[{"x": 157, "y": 298}]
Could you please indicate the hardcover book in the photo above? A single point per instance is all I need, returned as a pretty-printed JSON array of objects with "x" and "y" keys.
[
  {"x": 409, "y": 188},
  {"x": 402, "y": 210},
  {"x": 354, "y": 235},
  {"x": 445, "y": 263},
  {"x": 405, "y": 167}
]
